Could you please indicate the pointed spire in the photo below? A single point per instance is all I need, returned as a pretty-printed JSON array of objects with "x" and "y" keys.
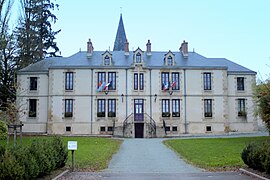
[{"x": 120, "y": 39}]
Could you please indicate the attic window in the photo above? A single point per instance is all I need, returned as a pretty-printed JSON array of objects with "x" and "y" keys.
[
  {"x": 107, "y": 60},
  {"x": 170, "y": 61},
  {"x": 138, "y": 58}
]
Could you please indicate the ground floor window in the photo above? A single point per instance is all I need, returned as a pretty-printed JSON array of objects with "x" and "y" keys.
[
  {"x": 111, "y": 107},
  {"x": 68, "y": 107},
  {"x": 32, "y": 108},
  {"x": 241, "y": 107},
  {"x": 101, "y": 108},
  {"x": 208, "y": 108}
]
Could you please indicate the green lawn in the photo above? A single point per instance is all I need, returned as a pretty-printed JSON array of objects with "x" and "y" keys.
[
  {"x": 93, "y": 153},
  {"x": 212, "y": 153}
]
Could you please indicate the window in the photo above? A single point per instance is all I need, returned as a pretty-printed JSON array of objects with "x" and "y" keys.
[
  {"x": 164, "y": 80},
  {"x": 102, "y": 129},
  {"x": 111, "y": 107},
  {"x": 141, "y": 81},
  {"x": 33, "y": 83},
  {"x": 135, "y": 81},
  {"x": 69, "y": 81},
  {"x": 208, "y": 108},
  {"x": 241, "y": 107},
  {"x": 68, "y": 107},
  {"x": 32, "y": 108},
  {"x": 101, "y": 108},
  {"x": 110, "y": 128},
  {"x": 167, "y": 128},
  {"x": 175, "y": 81},
  {"x": 170, "y": 61},
  {"x": 207, "y": 81},
  {"x": 165, "y": 108},
  {"x": 68, "y": 129},
  {"x": 138, "y": 58},
  {"x": 240, "y": 84},
  {"x": 174, "y": 128},
  {"x": 107, "y": 60},
  {"x": 101, "y": 78},
  {"x": 176, "y": 107},
  {"x": 208, "y": 128},
  {"x": 112, "y": 80}
]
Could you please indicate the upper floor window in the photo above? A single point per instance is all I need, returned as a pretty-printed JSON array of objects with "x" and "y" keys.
[
  {"x": 207, "y": 81},
  {"x": 176, "y": 107},
  {"x": 101, "y": 108},
  {"x": 107, "y": 60},
  {"x": 112, "y": 80},
  {"x": 165, "y": 108},
  {"x": 111, "y": 108},
  {"x": 135, "y": 81},
  {"x": 138, "y": 81},
  {"x": 165, "y": 81},
  {"x": 138, "y": 58},
  {"x": 208, "y": 108},
  {"x": 33, "y": 83},
  {"x": 241, "y": 107},
  {"x": 175, "y": 81},
  {"x": 101, "y": 78},
  {"x": 240, "y": 84},
  {"x": 32, "y": 108},
  {"x": 170, "y": 61},
  {"x": 68, "y": 107},
  {"x": 69, "y": 81}
]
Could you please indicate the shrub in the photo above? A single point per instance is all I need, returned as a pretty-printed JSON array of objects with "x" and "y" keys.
[
  {"x": 3, "y": 130},
  {"x": 26, "y": 161},
  {"x": 10, "y": 168},
  {"x": 257, "y": 156},
  {"x": 61, "y": 153},
  {"x": 40, "y": 151}
]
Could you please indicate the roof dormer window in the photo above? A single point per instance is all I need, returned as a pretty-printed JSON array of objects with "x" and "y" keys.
[
  {"x": 169, "y": 59},
  {"x": 107, "y": 58},
  {"x": 138, "y": 58},
  {"x": 107, "y": 61}
]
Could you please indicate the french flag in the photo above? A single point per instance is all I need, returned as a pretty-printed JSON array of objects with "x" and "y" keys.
[
  {"x": 165, "y": 86},
  {"x": 173, "y": 84},
  {"x": 107, "y": 85}
]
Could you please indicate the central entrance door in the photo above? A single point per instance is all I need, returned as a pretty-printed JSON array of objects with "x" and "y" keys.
[{"x": 138, "y": 118}]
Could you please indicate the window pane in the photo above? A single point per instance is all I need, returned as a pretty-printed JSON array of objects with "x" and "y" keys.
[
  {"x": 164, "y": 80},
  {"x": 32, "y": 108},
  {"x": 135, "y": 81},
  {"x": 207, "y": 81},
  {"x": 141, "y": 81},
  {"x": 208, "y": 108},
  {"x": 33, "y": 83},
  {"x": 165, "y": 105},
  {"x": 69, "y": 81},
  {"x": 107, "y": 61},
  {"x": 111, "y": 108},
  {"x": 169, "y": 61},
  {"x": 175, "y": 81},
  {"x": 101, "y": 78},
  {"x": 138, "y": 58},
  {"x": 240, "y": 84},
  {"x": 112, "y": 80}
]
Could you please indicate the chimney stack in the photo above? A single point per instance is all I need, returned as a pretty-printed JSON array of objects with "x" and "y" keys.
[
  {"x": 148, "y": 48},
  {"x": 184, "y": 49},
  {"x": 90, "y": 48},
  {"x": 126, "y": 48}
]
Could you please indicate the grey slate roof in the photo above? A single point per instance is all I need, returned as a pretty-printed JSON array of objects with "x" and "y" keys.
[
  {"x": 156, "y": 60},
  {"x": 120, "y": 38}
]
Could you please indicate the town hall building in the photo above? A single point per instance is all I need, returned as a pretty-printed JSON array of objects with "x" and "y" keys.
[{"x": 140, "y": 93}]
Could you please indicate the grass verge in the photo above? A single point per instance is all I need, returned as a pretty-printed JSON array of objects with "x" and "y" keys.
[
  {"x": 213, "y": 153},
  {"x": 93, "y": 153}
]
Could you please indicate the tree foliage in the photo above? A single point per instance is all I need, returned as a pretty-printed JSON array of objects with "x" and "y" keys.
[
  {"x": 8, "y": 54},
  {"x": 263, "y": 98},
  {"x": 35, "y": 36}
]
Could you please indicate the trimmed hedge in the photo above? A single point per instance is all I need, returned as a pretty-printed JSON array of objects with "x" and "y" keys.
[
  {"x": 36, "y": 160},
  {"x": 257, "y": 156}
]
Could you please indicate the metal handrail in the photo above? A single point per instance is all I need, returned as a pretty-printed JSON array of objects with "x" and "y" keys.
[{"x": 126, "y": 122}]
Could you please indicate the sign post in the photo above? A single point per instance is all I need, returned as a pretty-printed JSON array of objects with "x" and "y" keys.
[{"x": 72, "y": 146}]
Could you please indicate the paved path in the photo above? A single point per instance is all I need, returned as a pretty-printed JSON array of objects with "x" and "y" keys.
[{"x": 151, "y": 159}]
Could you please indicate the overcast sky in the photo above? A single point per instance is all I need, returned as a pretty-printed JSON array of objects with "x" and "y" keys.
[{"x": 238, "y": 30}]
